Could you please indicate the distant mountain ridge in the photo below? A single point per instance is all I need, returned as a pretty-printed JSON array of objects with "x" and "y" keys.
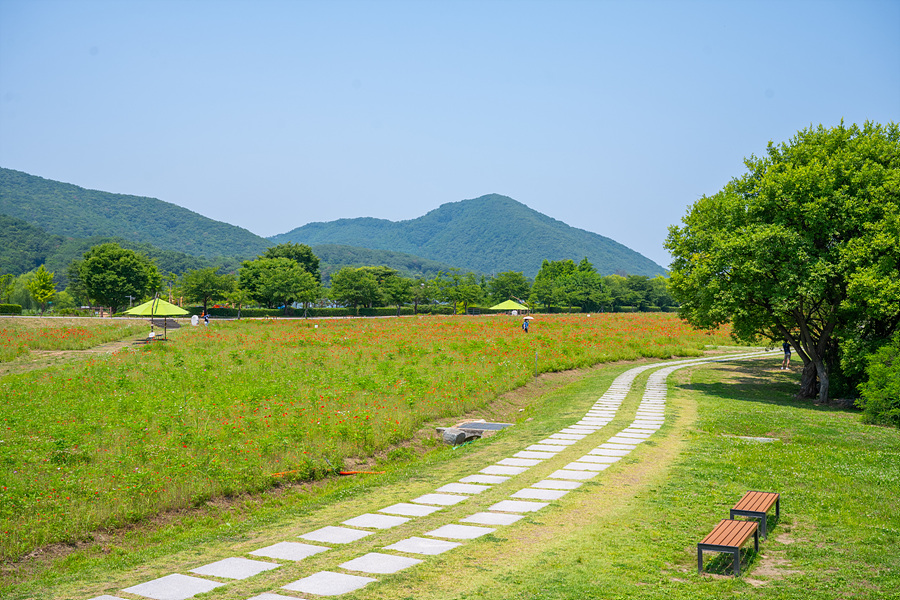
[
  {"x": 489, "y": 234},
  {"x": 67, "y": 210}
]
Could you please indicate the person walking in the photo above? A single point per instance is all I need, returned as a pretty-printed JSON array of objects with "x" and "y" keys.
[
  {"x": 786, "y": 363},
  {"x": 525, "y": 325}
]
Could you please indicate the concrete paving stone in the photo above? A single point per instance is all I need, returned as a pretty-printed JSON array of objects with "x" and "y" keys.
[
  {"x": 460, "y": 532},
  {"x": 235, "y": 568},
  {"x": 568, "y": 436},
  {"x": 623, "y": 440},
  {"x": 606, "y": 414},
  {"x": 519, "y": 462},
  {"x": 270, "y": 596},
  {"x": 539, "y": 494},
  {"x": 557, "y": 484},
  {"x": 417, "y": 545},
  {"x": 517, "y": 506},
  {"x": 639, "y": 429},
  {"x": 615, "y": 446},
  {"x": 553, "y": 442},
  {"x": 584, "y": 428},
  {"x": 595, "y": 425},
  {"x": 484, "y": 478},
  {"x": 541, "y": 455},
  {"x": 580, "y": 466},
  {"x": 463, "y": 488},
  {"x": 106, "y": 597},
  {"x": 289, "y": 550},
  {"x": 609, "y": 452},
  {"x": 328, "y": 583},
  {"x": 577, "y": 475},
  {"x": 173, "y": 587},
  {"x": 375, "y": 562},
  {"x": 593, "y": 421},
  {"x": 583, "y": 432},
  {"x": 375, "y": 521},
  {"x": 635, "y": 436},
  {"x": 409, "y": 510},
  {"x": 489, "y": 518},
  {"x": 500, "y": 470},
  {"x": 439, "y": 499},
  {"x": 595, "y": 458},
  {"x": 335, "y": 535},
  {"x": 648, "y": 423}
]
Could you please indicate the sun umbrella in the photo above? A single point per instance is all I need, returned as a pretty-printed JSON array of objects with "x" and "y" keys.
[
  {"x": 527, "y": 318},
  {"x": 157, "y": 308}
]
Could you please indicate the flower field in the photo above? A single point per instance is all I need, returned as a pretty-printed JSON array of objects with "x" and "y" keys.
[
  {"x": 19, "y": 336},
  {"x": 218, "y": 410}
]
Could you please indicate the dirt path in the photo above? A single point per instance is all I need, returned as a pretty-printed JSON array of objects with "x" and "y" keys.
[{"x": 41, "y": 359}]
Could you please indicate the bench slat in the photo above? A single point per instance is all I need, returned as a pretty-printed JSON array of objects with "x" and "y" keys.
[
  {"x": 757, "y": 501},
  {"x": 730, "y": 533}
]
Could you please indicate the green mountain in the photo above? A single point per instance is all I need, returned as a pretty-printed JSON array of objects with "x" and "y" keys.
[
  {"x": 70, "y": 211},
  {"x": 333, "y": 257},
  {"x": 489, "y": 234}
]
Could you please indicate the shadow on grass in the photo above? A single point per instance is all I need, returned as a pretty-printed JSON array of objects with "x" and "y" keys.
[{"x": 722, "y": 563}]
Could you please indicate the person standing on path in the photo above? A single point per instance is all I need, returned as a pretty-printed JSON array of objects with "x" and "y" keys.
[
  {"x": 786, "y": 363},
  {"x": 525, "y": 325}
]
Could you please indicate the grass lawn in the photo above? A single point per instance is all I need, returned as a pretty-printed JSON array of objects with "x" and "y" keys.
[{"x": 629, "y": 533}]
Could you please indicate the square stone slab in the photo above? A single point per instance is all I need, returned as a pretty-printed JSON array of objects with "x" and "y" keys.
[
  {"x": 270, "y": 596},
  {"x": 460, "y": 532},
  {"x": 375, "y": 521},
  {"x": 545, "y": 448},
  {"x": 576, "y": 475},
  {"x": 500, "y": 470},
  {"x": 439, "y": 499},
  {"x": 540, "y": 455},
  {"x": 581, "y": 428},
  {"x": 489, "y": 518},
  {"x": 328, "y": 583},
  {"x": 106, "y": 597},
  {"x": 289, "y": 550},
  {"x": 605, "y": 452},
  {"x": 484, "y": 479},
  {"x": 557, "y": 442},
  {"x": 463, "y": 488},
  {"x": 409, "y": 510},
  {"x": 537, "y": 494},
  {"x": 173, "y": 587},
  {"x": 335, "y": 535},
  {"x": 615, "y": 446},
  {"x": 417, "y": 545},
  {"x": 375, "y": 562},
  {"x": 594, "y": 420},
  {"x": 637, "y": 436},
  {"x": 235, "y": 568},
  {"x": 580, "y": 466},
  {"x": 518, "y": 462},
  {"x": 517, "y": 506},
  {"x": 623, "y": 440},
  {"x": 568, "y": 436},
  {"x": 593, "y": 458},
  {"x": 577, "y": 431},
  {"x": 551, "y": 484}
]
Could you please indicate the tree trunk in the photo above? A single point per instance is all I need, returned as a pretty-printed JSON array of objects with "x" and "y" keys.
[
  {"x": 822, "y": 371},
  {"x": 808, "y": 381}
]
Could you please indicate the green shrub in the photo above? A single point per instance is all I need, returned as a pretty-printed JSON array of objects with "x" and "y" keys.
[
  {"x": 880, "y": 399},
  {"x": 10, "y": 309}
]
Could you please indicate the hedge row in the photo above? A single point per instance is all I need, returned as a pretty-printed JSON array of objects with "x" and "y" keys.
[{"x": 10, "y": 309}]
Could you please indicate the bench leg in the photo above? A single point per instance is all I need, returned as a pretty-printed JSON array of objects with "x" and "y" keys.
[
  {"x": 765, "y": 532},
  {"x": 737, "y": 562},
  {"x": 699, "y": 561},
  {"x": 756, "y": 540}
]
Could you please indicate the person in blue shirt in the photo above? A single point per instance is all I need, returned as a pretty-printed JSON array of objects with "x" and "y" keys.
[{"x": 786, "y": 363}]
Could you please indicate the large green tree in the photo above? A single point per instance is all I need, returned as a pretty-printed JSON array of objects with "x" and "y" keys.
[
  {"x": 277, "y": 281},
  {"x": 204, "y": 285},
  {"x": 42, "y": 288},
  {"x": 299, "y": 253},
  {"x": 355, "y": 287},
  {"x": 792, "y": 248},
  {"x": 509, "y": 285},
  {"x": 111, "y": 275}
]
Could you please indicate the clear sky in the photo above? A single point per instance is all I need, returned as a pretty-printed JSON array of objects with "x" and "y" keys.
[{"x": 611, "y": 116}]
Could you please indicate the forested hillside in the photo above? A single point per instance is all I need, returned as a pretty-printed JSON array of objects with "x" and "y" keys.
[
  {"x": 489, "y": 234},
  {"x": 333, "y": 257},
  {"x": 70, "y": 211}
]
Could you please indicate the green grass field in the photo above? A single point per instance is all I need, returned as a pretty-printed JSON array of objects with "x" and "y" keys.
[{"x": 630, "y": 533}]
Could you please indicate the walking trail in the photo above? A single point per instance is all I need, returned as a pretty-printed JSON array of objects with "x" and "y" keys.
[{"x": 571, "y": 471}]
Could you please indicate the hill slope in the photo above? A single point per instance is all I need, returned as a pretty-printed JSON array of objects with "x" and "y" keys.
[
  {"x": 68, "y": 210},
  {"x": 489, "y": 234},
  {"x": 334, "y": 256}
]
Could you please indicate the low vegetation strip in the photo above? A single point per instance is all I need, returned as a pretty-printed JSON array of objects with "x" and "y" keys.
[
  {"x": 20, "y": 335},
  {"x": 219, "y": 410}
]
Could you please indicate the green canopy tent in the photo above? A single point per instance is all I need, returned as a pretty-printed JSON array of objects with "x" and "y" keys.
[
  {"x": 509, "y": 305},
  {"x": 157, "y": 308}
]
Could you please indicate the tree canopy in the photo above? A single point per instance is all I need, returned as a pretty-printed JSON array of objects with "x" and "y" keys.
[
  {"x": 299, "y": 253},
  {"x": 110, "y": 274},
  {"x": 203, "y": 285},
  {"x": 803, "y": 247}
]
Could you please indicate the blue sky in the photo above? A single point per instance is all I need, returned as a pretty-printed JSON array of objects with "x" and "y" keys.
[{"x": 610, "y": 116}]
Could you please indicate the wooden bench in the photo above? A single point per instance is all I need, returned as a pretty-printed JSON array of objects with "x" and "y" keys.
[
  {"x": 728, "y": 536},
  {"x": 756, "y": 505}
]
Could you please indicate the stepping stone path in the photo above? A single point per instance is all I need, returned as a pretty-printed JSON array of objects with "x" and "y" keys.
[{"x": 649, "y": 417}]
